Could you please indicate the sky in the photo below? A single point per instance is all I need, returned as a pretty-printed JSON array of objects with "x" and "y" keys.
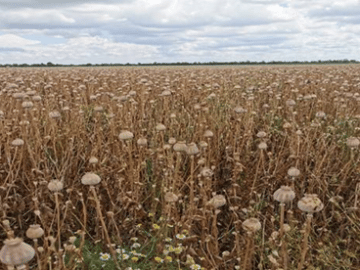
[{"x": 147, "y": 31}]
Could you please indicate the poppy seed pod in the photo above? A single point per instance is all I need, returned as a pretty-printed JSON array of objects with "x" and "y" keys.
[
  {"x": 54, "y": 114},
  {"x": 55, "y": 185},
  {"x": 27, "y": 104},
  {"x": 165, "y": 93},
  {"x": 192, "y": 149},
  {"x": 126, "y": 135},
  {"x": 261, "y": 134},
  {"x": 171, "y": 197},
  {"x": 352, "y": 142},
  {"x": 310, "y": 204},
  {"x": 217, "y": 201},
  {"x": 206, "y": 172},
  {"x": 251, "y": 225},
  {"x": 160, "y": 127},
  {"x": 18, "y": 96},
  {"x": 90, "y": 179},
  {"x": 287, "y": 125},
  {"x": 180, "y": 146},
  {"x": 290, "y": 103},
  {"x": 240, "y": 110},
  {"x": 208, "y": 134},
  {"x": 17, "y": 142},
  {"x": 98, "y": 109},
  {"x": 36, "y": 98},
  {"x": 262, "y": 146},
  {"x": 34, "y": 231},
  {"x": 15, "y": 252},
  {"x": 93, "y": 160},
  {"x": 142, "y": 142},
  {"x": 320, "y": 114},
  {"x": 284, "y": 194},
  {"x": 293, "y": 172}
]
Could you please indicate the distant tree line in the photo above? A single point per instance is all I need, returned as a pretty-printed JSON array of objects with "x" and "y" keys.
[{"x": 50, "y": 64}]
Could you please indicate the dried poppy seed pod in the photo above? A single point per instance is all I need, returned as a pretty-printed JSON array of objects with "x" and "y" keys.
[
  {"x": 93, "y": 160},
  {"x": 171, "y": 197},
  {"x": 55, "y": 185},
  {"x": 36, "y": 98},
  {"x": 18, "y": 96},
  {"x": 310, "y": 204},
  {"x": 72, "y": 239},
  {"x": 293, "y": 172},
  {"x": 172, "y": 141},
  {"x": 284, "y": 194},
  {"x": 27, "y": 105},
  {"x": 240, "y": 110},
  {"x": 160, "y": 127},
  {"x": 34, "y": 231},
  {"x": 165, "y": 93},
  {"x": 290, "y": 103},
  {"x": 98, "y": 109},
  {"x": 262, "y": 146},
  {"x": 320, "y": 114},
  {"x": 142, "y": 142},
  {"x": 192, "y": 149},
  {"x": 54, "y": 114},
  {"x": 217, "y": 201},
  {"x": 251, "y": 225},
  {"x": 15, "y": 252},
  {"x": 17, "y": 142},
  {"x": 126, "y": 135},
  {"x": 180, "y": 147},
  {"x": 352, "y": 142},
  {"x": 6, "y": 224},
  {"x": 90, "y": 179},
  {"x": 208, "y": 134},
  {"x": 287, "y": 125},
  {"x": 203, "y": 144},
  {"x": 206, "y": 172},
  {"x": 261, "y": 134}
]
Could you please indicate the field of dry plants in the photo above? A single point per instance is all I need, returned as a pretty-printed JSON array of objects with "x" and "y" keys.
[{"x": 180, "y": 168}]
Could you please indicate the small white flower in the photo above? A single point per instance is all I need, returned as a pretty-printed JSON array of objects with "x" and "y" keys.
[
  {"x": 135, "y": 245},
  {"x": 119, "y": 251},
  {"x": 125, "y": 257},
  {"x": 180, "y": 236},
  {"x": 104, "y": 256}
]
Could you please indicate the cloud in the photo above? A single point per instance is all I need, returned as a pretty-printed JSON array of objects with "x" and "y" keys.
[
  {"x": 8, "y": 49},
  {"x": 74, "y": 31},
  {"x": 83, "y": 50},
  {"x": 14, "y": 41}
]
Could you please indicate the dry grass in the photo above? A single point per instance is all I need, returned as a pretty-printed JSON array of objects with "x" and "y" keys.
[{"x": 248, "y": 127}]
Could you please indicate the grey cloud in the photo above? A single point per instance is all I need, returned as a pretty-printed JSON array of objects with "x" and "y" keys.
[
  {"x": 41, "y": 4},
  {"x": 4, "y": 50},
  {"x": 335, "y": 11}
]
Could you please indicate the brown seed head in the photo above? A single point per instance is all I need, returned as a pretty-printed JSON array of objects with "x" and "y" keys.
[
  {"x": 55, "y": 185},
  {"x": 251, "y": 225},
  {"x": 90, "y": 179},
  {"x": 34, "y": 231},
  {"x": 284, "y": 194},
  {"x": 16, "y": 252},
  {"x": 310, "y": 204}
]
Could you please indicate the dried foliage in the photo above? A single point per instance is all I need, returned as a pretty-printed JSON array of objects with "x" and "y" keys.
[{"x": 192, "y": 154}]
